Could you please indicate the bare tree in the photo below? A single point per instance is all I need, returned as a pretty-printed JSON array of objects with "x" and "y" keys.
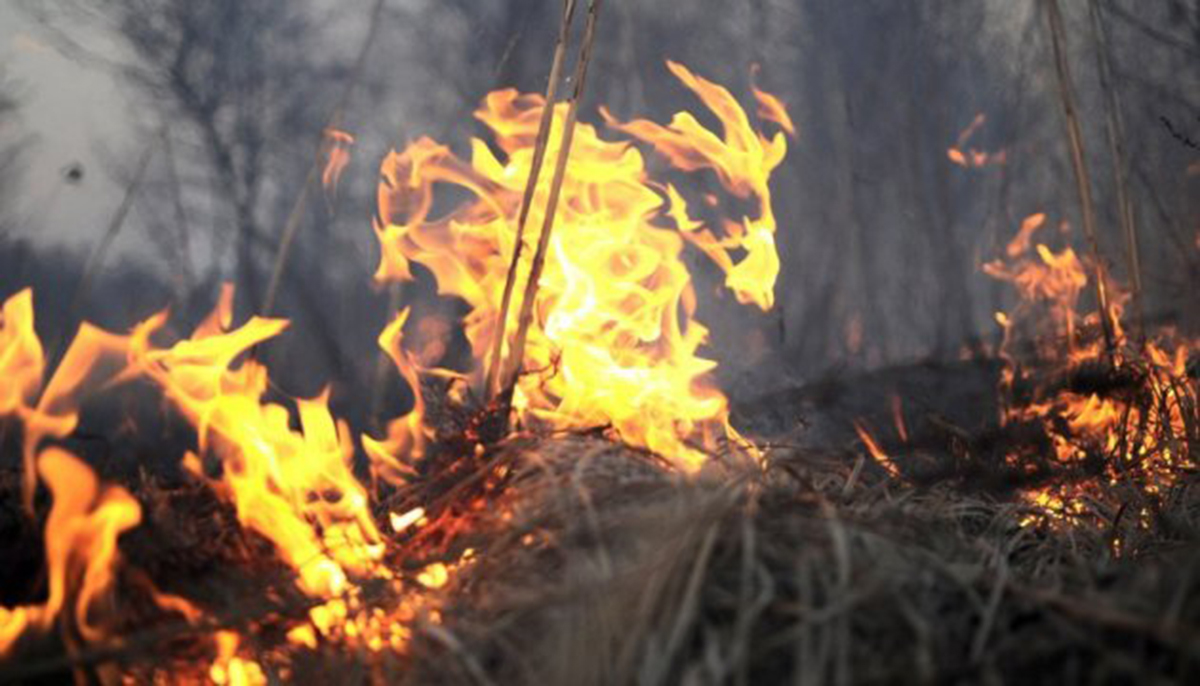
[{"x": 243, "y": 78}]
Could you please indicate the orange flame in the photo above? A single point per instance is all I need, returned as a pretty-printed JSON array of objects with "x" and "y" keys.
[
  {"x": 294, "y": 487},
  {"x": 973, "y": 158},
  {"x": 873, "y": 448},
  {"x": 1131, "y": 429},
  {"x": 81, "y": 553},
  {"x": 615, "y": 341},
  {"x": 337, "y": 153},
  {"x": 1051, "y": 279}
]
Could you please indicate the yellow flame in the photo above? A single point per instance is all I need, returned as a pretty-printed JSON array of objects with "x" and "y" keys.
[
  {"x": 615, "y": 341},
  {"x": 295, "y": 487},
  {"x": 392, "y": 458},
  {"x": 85, "y": 521},
  {"x": 1130, "y": 429}
]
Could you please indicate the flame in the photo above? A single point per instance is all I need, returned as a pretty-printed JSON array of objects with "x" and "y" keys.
[
  {"x": 85, "y": 521},
  {"x": 973, "y": 158},
  {"x": 337, "y": 156},
  {"x": 1043, "y": 278},
  {"x": 21, "y": 360},
  {"x": 1139, "y": 429},
  {"x": 294, "y": 487},
  {"x": 615, "y": 342},
  {"x": 877, "y": 453},
  {"x": 898, "y": 417},
  {"x": 392, "y": 458}
]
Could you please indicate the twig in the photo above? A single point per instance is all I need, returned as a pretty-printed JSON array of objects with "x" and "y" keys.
[
  {"x": 564, "y": 152},
  {"x": 96, "y": 258},
  {"x": 292, "y": 226},
  {"x": 539, "y": 154},
  {"x": 469, "y": 662},
  {"x": 1079, "y": 163},
  {"x": 1116, "y": 148}
]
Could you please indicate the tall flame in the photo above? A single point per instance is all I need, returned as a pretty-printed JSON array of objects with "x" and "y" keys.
[
  {"x": 295, "y": 487},
  {"x": 615, "y": 340}
]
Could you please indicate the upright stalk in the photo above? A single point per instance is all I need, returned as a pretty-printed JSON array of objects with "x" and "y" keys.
[
  {"x": 185, "y": 276},
  {"x": 1079, "y": 163},
  {"x": 517, "y": 354},
  {"x": 539, "y": 154},
  {"x": 292, "y": 227},
  {"x": 1116, "y": 148}
]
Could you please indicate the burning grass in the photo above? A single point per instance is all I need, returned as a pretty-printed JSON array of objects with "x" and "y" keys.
[
  {"x": 623, "y": 530},
  {"x": 811, "y": 570},
  {"x": 600, "y": 564}
]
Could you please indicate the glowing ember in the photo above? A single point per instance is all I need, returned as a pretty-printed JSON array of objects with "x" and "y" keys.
[{"x": 400, "y": 522}]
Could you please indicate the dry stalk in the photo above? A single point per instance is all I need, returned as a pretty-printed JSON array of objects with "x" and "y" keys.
[
  {"x": 96, "y": 259},
  {"x": 564, "y": 152},
  {"x": 1079, "y": 162},
  {"x": 1116, "y": 147},
  {"x": 539, "y": 154},
  {"x": 292, "y": 227}
]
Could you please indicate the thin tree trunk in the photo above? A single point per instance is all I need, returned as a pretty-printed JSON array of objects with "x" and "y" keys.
[{"x": 186, "y": 276}]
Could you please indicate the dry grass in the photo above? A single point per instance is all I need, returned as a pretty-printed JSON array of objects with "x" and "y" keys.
[
  {"x": 596, "y": 564},
  {"x": 812, "y": 571}
]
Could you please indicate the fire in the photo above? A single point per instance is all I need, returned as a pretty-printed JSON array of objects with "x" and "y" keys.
[
  {"x": 295, "y": 488},
  {"x": 972, "y": 157},
  {"x": 1043, "y": 278},
  {"x": 81, "y": 535},
  {"x": 876, "y": 451},
  {"x": 1137, "y": 424},
  {"x": 615, "y": 342},
  {"x": 21, "y": 363},
  {"x": 392, "y": 458},
  {"x": 86, "y": 519},
  {"x": 337, "y": 156}
]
